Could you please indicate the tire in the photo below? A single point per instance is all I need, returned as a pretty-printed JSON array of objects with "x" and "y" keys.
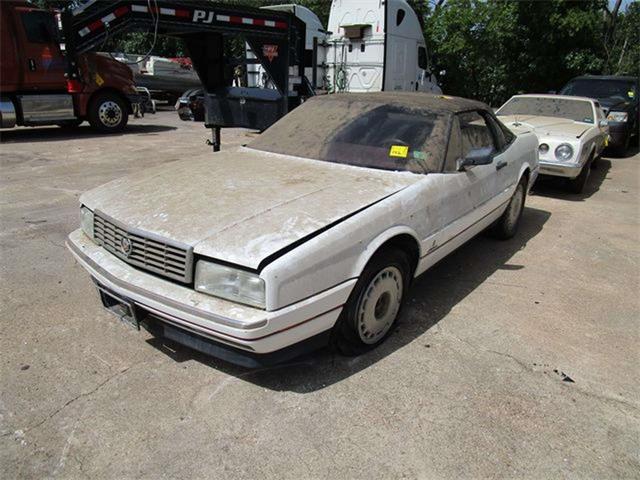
[
  {"x": 507, "y": 225},
  {"x": 623, "y": 149},
  {"x": 373, "y": 306},
  {"x": 576, "y": 185},
  {"x": 108, "y": 113},
  {"x": 70, "y": 123}
]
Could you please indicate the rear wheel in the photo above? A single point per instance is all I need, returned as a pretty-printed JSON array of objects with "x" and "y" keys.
[
  {"x": 108, "y": 113},
  {"x": 507, "y": 225},
  {"x": 372, "y": 309}
]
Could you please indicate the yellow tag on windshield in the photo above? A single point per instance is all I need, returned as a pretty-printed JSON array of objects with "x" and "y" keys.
[{"x": 399, "y": 151}]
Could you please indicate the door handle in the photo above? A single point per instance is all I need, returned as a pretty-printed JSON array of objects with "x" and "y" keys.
[
  {"x": 501, "y": 164},
  {"x": 32, "y": 65}
]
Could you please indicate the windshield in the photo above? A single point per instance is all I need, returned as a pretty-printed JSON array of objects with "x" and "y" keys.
[
  {"x": 576, "y": 110},
  {"x": 361, "y": 133},
  {"x": 602, "y": 89}
]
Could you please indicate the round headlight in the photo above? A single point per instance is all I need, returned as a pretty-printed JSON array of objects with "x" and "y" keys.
[
  {"x": 543, "y": 148},
  {"x": 564, "y": 151}
]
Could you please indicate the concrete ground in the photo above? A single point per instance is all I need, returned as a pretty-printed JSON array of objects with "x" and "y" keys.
[{"x": 512, "y": 359}]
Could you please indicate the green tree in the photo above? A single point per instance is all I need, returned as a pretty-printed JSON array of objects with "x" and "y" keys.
[
  {"x": 624, "y": 47},
  {"x": 492, "y": 49}
]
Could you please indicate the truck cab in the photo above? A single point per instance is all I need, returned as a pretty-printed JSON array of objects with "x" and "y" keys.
[
  {"x": 34, "y": 89},
  {"x": 376, "y": 46},
  {"x": 370, "y": 46}
]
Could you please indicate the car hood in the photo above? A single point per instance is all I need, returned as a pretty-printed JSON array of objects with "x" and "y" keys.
[
  {"x": 615, "y": 104},
  {"x": 244, "y": 205},
  {"x": 546, "y": 126}
]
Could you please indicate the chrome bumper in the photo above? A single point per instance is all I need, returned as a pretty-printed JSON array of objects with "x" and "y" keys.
[{"x": 560, "y": 169}]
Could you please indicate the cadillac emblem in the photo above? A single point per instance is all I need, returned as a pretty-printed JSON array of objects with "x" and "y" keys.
[{"x": 125, "y": 246}]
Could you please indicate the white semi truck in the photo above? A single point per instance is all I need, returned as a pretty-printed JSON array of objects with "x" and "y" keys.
[{"x": 369, "y": 46}]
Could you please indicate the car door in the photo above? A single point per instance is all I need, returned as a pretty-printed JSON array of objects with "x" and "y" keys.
[
  {"x": 461, "y": 199},
  {"x": 505, "y": 160},
  {"x": 43, "y": 62},
  {"x": 476, "y": 134}
]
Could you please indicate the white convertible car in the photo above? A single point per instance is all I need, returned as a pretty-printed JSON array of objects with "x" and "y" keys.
[
  {"x": 311, "y": 234},
  {"x": 572, "y": 132}
]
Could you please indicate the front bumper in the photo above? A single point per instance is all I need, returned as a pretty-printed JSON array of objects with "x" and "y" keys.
[
  {"x": 618, "y": 134},
  {"x": 558, "y": 169},
  {"x": 181, "y": 309}
]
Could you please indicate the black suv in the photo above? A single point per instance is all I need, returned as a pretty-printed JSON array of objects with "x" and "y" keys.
[{"x": 618, "y": 96}]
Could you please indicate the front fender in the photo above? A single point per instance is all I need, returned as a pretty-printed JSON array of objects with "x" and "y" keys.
[{"x": 380, "y": 240}]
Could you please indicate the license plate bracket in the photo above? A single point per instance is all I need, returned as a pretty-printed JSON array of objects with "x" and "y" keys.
[{"x": 121, "y": 307}]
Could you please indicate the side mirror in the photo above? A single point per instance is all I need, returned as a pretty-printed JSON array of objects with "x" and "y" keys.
[
  {"x": 478, "y": 156},
  {"x": 603, "y": 122}
]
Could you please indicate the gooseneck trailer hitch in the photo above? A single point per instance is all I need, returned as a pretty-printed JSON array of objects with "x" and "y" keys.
[{"x": 275, "y": 38}]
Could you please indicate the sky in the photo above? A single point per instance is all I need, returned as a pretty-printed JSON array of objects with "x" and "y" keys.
[{"x": 623, "y": 7}]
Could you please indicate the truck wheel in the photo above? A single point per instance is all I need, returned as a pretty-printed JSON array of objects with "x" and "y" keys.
[
  {"x": 576, "y": 185},
  {"x": 108, "y": 113},
  {"x": 507, "y": 225},
  {"x": 373, "y": 306}
]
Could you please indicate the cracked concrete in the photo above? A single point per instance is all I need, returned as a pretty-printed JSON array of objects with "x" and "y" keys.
[{"x": 465, "y": 388}]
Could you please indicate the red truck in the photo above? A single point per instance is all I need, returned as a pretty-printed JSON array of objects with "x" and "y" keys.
[{"x": 34, "y": 88}]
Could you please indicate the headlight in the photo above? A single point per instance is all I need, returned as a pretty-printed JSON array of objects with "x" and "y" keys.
[
  {"x": 230, "y": 283},
  {"x": 86, "y": 221},
  {"x": 617, "y": 116},
  {"x": 543, "y": 148},
  {"x": 564, "y": 151}
]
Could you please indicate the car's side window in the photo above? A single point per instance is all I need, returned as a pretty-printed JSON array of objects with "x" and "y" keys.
[
  {"x": 454, "y": 148},
  {"x": 475, "y": 133},
  {"x": 503, "y": 136},
  {"x": 498, "y": 134}
]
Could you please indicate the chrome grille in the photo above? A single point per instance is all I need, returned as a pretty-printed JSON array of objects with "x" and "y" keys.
[{"x": 147, "y": 251}]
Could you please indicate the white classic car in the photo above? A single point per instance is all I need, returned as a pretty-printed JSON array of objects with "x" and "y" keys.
[
  {"x": 313, "y": 233},
  {"x": 572, "y": 132}
]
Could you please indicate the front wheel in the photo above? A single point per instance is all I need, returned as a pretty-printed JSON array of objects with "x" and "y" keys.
[
  {"x": 372, "y": 309},
  {"x": 507, "y": 225},
  {"x": 576, "y": 185},
  {"x": 108, "y": 113}
]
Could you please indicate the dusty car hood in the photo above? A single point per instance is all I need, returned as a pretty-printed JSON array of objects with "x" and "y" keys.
[
  {"x": 242, "y": 206},
  {"x": 546, "y": 126}
]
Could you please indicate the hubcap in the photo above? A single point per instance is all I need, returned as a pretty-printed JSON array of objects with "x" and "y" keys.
[
  {"x": 379, "y": 305},
  {"x": 110, "y": 113},
  {"x": 515, "y": 206}
]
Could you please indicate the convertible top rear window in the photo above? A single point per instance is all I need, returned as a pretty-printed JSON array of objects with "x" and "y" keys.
[
  {"x": 576, "y": 110},
  {"x": 360, "y": 133}
]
